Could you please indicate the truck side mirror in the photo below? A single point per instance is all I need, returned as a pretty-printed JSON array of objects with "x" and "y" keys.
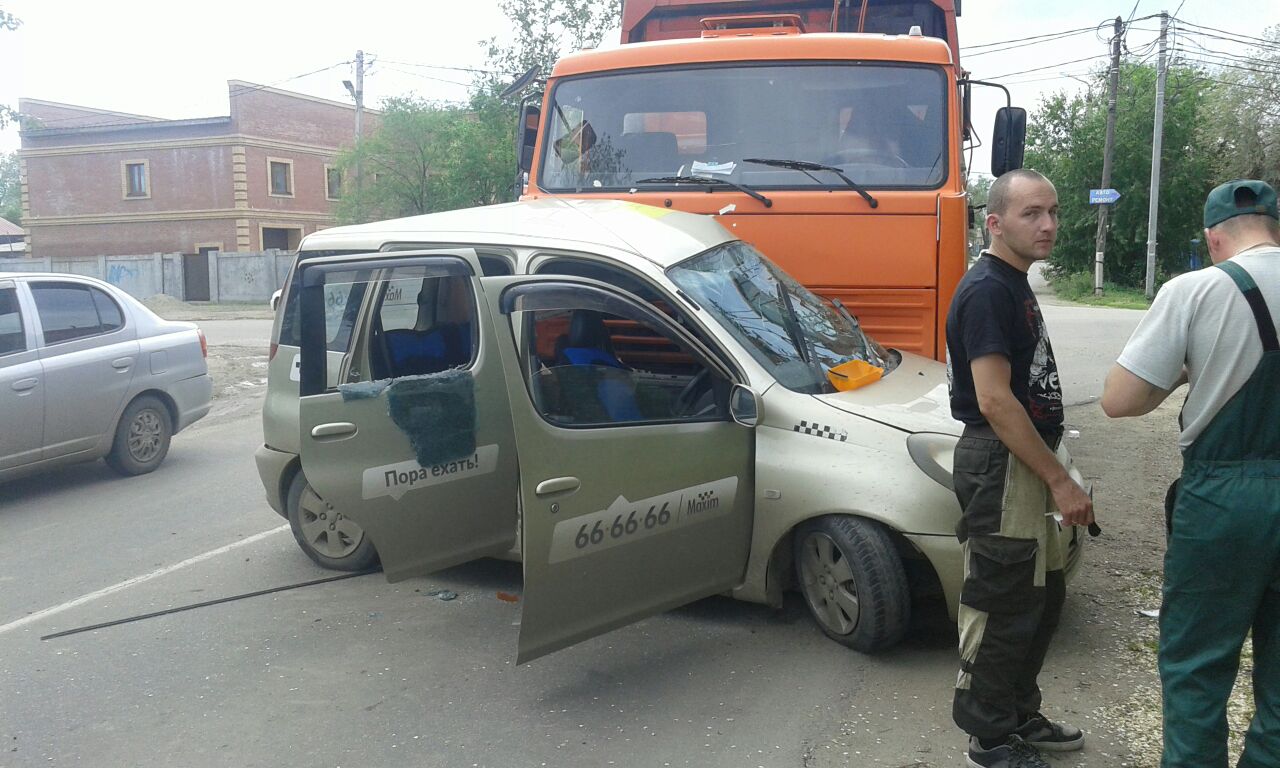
[
  {"x": 527, "y": 136},
  {"x": 1008, "y": 140}
]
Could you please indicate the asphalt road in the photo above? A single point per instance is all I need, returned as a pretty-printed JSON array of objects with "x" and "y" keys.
[{"x": 362, "y": 673}]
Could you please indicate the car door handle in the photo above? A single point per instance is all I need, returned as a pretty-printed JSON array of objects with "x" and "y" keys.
[
  {"x": 22, "y": 385},
  {"x": 557, "y": 485},
  {"x": 122, "y": 363},
  {"x": 337, "y": 429}
]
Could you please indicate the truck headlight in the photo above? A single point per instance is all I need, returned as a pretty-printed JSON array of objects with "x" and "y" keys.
[{"x": 933, "y": 453}]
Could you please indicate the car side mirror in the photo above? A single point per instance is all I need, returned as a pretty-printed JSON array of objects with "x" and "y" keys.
[
  {"x": 744, "y": 406},
  {"x": 1008, "y": 140},
  {"x": 275, "y": 300}
]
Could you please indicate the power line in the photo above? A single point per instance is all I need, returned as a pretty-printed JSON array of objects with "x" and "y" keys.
[
  {"x": 1246, "y": 39},
  {"x": 426, "y": 77},
  {"x": 441, "y": 66},
  {"x": 1024, "y": 39},
  {"x": 1028, "y": 42},
  {"x": 1047, "y": 66}
]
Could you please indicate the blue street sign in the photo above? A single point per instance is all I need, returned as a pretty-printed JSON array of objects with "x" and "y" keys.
[{"x": 1103, "y": 196}]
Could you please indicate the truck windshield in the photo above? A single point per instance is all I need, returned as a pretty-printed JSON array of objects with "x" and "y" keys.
[
  {"x": 884, "y": 126},
  {"x": 748, "y": 295}
]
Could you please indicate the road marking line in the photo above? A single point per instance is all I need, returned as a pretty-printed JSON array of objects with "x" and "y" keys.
[{"x": 25, "y": 620}]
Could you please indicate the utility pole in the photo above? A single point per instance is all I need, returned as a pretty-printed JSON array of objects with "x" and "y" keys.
[
  {"x": 357, "y": 93},
  {"x": 1157, "y": 140},
  {"x": 1100, "y": 242}
]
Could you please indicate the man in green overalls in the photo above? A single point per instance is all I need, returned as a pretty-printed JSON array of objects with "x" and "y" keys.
[{"x": 1213, "y": 328}]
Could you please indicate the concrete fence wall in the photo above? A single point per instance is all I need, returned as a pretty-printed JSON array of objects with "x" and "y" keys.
[
  {"x": 247, "y": 276},
  {"x": 250, "y": 277}
]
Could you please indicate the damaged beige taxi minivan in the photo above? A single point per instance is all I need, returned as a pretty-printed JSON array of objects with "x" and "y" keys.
[{"x": 632, "y": 401}]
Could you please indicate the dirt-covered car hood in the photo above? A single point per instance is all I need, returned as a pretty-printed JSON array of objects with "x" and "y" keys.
[{"x": 913, "y": 398}]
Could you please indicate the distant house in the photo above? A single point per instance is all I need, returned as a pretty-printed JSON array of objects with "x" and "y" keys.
[
  {"x": 12, "y": 239},
  {"x": 108, "y": 183}
]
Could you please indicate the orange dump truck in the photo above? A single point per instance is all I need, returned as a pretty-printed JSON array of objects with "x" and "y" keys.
[{"x": 837, "y": 152}]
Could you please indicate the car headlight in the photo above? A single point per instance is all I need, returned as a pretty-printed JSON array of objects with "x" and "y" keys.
[{"x": 934, "y": 453}]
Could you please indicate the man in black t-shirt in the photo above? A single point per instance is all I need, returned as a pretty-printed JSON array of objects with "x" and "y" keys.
[{"x": 1011, "y": 479}]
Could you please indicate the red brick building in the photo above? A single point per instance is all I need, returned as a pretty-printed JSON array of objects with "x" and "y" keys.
[{"x": 97, "y": 182}]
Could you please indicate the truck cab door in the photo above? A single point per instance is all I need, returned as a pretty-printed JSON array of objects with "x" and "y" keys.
[
  {"x": 412, "y": 439},
  {"x": 636, "y": 484}
]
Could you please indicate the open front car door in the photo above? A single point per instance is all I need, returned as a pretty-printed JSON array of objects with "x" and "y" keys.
[
  {"x": 412, "y": 438},
  {"x": 636, "y": 485}
]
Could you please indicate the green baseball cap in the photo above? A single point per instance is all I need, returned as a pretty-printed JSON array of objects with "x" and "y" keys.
[{"x": 1226, "y": 201}]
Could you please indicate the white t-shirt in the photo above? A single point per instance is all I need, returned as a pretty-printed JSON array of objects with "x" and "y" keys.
[{"x": 1201, "y": 320}]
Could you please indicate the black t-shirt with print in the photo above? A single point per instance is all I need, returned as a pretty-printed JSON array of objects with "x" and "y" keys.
[{"x": 995, "y": 311}]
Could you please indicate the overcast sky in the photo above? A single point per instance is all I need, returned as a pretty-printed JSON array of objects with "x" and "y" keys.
[{"x": 172, "y": 59}]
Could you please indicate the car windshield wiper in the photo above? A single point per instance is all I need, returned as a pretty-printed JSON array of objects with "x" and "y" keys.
[
  {"x": 707, "y": 182},
  {"x": 806, "y": 167},
  {"x": 792, "y": 322}
]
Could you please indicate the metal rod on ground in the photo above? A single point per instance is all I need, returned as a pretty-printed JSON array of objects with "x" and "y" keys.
[
  {"x": 1100, "y": 242},
  {"x": 205, "y": 604},
  {"x": 1157, "y": 140}
]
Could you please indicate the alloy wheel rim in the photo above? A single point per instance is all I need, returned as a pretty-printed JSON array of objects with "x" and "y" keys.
[
  {"x": 145, "y": 435},
  {"x": 326, "y": 530},
  {"x": 828, "y": 584}
]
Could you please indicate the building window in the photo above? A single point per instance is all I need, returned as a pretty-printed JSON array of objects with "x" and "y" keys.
[
  {"x": 280, "y": 177},
  {"x": 136, "y": 179},
  {"x": 332, "y": 183}
]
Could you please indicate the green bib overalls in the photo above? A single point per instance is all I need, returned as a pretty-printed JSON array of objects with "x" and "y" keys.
[{"x": 1222, "y": 570}]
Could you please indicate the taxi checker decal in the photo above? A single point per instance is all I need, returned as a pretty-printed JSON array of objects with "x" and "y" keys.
[
  {"x": 625, "y": 522},
  {"x": 395, "y": 480},
  {"x": 820, "y": 430}
]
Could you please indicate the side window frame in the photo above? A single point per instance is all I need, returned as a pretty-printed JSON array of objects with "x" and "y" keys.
[
  {"x": 89, "y": 290},
  {"x": 611, "y": 300},
  {"x": 22, "y": 333},
  {"x": 684, "y": 317},
  {"x": 313, "y": 376},
  {"x": 486, "y": 255}
]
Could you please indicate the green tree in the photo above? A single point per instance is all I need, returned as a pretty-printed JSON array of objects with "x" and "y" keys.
[
  {"x": 10, "y": 188},
  {"x": 427, "y": 157},
  {"x": 543, "y": 31},
  {"x": 1065, "y": 141},
  {"x": 1244, "y": 133},
  {"x": 8, "y": 22}
]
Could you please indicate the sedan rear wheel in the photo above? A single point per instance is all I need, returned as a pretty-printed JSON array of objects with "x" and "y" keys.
[
  {"x": 142, "y": 437},
  {"x": 331, "y": 539},
  {"x": 853, "y": 581}
]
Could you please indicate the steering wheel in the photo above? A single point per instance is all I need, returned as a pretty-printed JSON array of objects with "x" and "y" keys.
[
  {"x": 868, "y": 157},
  {"x": 689, "y": 395}
]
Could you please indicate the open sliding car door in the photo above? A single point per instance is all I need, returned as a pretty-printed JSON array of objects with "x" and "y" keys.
[
  {"x": 412, "y": 438},
  {"x": 636, "y": 485}
]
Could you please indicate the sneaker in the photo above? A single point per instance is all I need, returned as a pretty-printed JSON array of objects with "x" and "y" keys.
[
  {"x": 1042, "y": 733},
  {"x": 1014, "y": 753}
]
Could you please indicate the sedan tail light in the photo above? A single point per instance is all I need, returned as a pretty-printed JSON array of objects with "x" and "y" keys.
[{"x": 204, "y": 344}]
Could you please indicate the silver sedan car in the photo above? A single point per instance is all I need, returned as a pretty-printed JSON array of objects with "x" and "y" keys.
[{"x": 88, "y": 372}]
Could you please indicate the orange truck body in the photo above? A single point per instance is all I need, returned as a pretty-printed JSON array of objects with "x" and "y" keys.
[{"x": 894, "y": 265}]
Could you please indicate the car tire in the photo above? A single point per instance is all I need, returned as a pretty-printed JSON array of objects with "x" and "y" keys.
[
  {"x": 142, "y": 437},
  {"x": 329, "y": 538},
  {"x": 853, "y": 581}
]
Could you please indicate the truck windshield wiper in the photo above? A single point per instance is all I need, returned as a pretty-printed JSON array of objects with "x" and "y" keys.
[
  {"x": 807, "y": 167},
  {"x": 708, "y": 182}
]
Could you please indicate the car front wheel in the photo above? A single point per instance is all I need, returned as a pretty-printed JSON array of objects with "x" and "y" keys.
[
  {"x": 331, "y": 539},
  {"x": 853, "y": 581},
  {"x": 142, "y": 437}
]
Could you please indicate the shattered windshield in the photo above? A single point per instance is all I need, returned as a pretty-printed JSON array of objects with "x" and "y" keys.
[
  {"x": 748, "y": 295},
  {"x": 882, "y": 125}
]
